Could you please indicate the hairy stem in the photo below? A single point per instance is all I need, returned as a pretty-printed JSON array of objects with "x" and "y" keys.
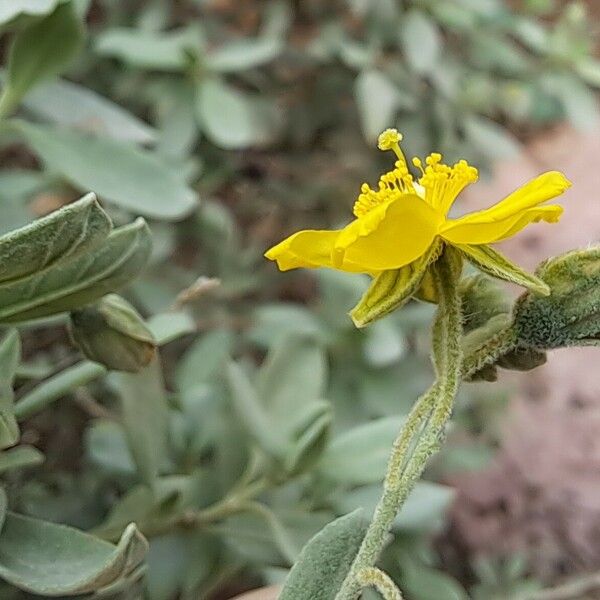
[
  {"x": 380, "y": 581},
  {"x": 423, "y": 430},
  {"x": 489, "y": 351}
]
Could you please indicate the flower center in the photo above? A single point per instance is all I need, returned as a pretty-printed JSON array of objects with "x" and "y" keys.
[{"x": 439, "y": 184}]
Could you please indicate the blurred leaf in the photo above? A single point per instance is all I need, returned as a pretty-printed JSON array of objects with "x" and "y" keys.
[
  {"x": 385, "y": 344},
  {"x": 325, "y": 560},
  {"x": 243, "y": 54},
  {"x": 20, "y": 457},
  {"x": 72, "y": 105},
  {"x": 54, "y": 560},
  {"x": 107, "y": 447},
  {"x": 40, "y": 51},
  {"x": 204, "y": 359},
  {"x": 589, "y": 70},
  {"x": 233, "y": 119},
  {"x": 14, "y": 8},
  {"x": 145, "y": 418},
  {"x": 294, "y": 373},
  {"x": 491, "y": 139},
  {"x": 148, "y": 49},
  {"x": 69, "y": 285},
  {"x": 425, "y": 583},
  {"x": 421, "y": 41},
  {"x": 169, "y": 326},
  {"x": 360, "y": 455},
  {"x": 130, "y": 177},
  {"x": 252, "y": 413},
  {"x": 579, "y": 102},
  {"x": 275, "y": 321},
  {"x": 423, "y": 510},
  {"x": 377, "y": 99}
]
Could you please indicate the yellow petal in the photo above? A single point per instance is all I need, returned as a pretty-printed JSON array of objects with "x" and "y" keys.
[
  {"x": 541, "y": 189},
  {"x": 461, "y": 231},
  {"x": 309, "y": 249},
  {"x": 389, "y": 236}
]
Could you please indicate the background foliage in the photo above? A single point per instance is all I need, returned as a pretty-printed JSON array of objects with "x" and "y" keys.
[{"x": 227, "y": 125}]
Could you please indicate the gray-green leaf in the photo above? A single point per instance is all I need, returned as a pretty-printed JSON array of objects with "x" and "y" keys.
[
  {"x": 243, "y": 54},
  {"x": 64, "y": 234},
  {"x": 146, "y": 419},
  {"x": 54, "y": 560},
  {"x": 10, "y": 357},
  {"x": 325, "y": 560},
  {"x": 42, "y": 50},
  {"x": 80, "y": 281},
  {"x": 67, "y": 103},
  {"x": 421, "y": 41},
  {"x": 134, "y": 179}
]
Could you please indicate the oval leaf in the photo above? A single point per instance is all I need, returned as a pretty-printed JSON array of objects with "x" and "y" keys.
[
  {"x": 41, "y": 51},
  {"x": 70, "y": 285},
  {"x": 73, "y": 105},
  {"x": 326, "y": 559},
  {"x": 132, "y": 178},
  {"x": 65, "y": 233},
  {"x": 53, "y": 560}
]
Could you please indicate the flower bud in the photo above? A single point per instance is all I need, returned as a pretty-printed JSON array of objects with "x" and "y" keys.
[
  {"x": 570, "y": 315},
  {"x": 482, "y": 298},
  {"x": 112, "y": 333}
]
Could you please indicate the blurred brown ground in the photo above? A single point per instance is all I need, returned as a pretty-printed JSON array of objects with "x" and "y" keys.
[{"x": 542, "y": 492}]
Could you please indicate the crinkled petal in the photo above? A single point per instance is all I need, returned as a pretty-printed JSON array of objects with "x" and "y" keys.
[
  {"x": 389, "y": 236},
  {"x": 460, "y": 231},
  {"x": 310, "y": 249}
]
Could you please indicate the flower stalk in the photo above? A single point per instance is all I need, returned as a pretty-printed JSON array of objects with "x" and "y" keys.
[{"x": 423, "y": 431}]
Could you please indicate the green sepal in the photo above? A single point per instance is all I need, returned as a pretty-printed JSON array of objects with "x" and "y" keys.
[
  {"x": 491, "y": 262},
  {"x": 427, "y": 289},
  {"x": 482, "y": 298},
  {"x": 392, "y": 289}
]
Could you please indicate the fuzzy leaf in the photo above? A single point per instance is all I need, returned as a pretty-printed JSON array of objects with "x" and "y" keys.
[
  {"x": 64, "y": 234},
  {"x": 69, "y": 285},
  {"x": 325, "y": 560},
  {"x": 10, "y": 357},
  {"x": 55, "y": 560},
  {"x": 491, "y": 262},
  {"x": 41, "y": 50}
]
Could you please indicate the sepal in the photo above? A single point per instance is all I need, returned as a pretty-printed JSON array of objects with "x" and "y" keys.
[
  {"x": 392, "y": 289},
  {"x": 491, "y": 262}
]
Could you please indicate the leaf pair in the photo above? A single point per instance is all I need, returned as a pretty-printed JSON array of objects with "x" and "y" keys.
[{"x": 66, "y": 260}]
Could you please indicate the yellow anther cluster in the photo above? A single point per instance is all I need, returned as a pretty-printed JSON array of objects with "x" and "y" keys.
[
  {"x": 443, "y": 183},
  {"x": 397, "y": 181}
]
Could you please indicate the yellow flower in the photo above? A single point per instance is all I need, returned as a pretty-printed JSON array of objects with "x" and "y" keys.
[{"x": 399, "y": 221}]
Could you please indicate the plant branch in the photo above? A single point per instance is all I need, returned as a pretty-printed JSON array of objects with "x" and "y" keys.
[{"x": 424, "y": 428}]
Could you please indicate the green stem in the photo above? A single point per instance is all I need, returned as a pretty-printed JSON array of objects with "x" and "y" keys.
[
  {"x": 381, "y": 582},
  {"x": 423, "y": 431},
  {"x": 489, "y": 351}
]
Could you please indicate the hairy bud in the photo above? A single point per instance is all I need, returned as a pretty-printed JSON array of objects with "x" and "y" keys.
[
  {"x": 112, "y": 333},
  {"x": 570, "y": 315}
]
